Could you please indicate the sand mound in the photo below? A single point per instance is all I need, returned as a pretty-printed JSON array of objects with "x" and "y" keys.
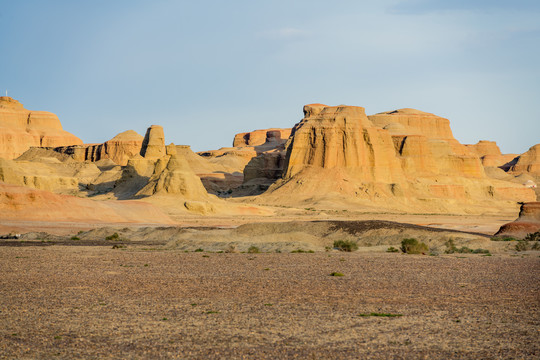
[{"x": 25, "y": 204}]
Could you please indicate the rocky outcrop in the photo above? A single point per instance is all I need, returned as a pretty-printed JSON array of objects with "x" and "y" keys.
[
  {"x": 119, "y": 149},
  {"x": 260, "y": 137},
  {"x": 527, "y": 222},
  {"x": 172, "y": 175},
  {"x": 21, "y": 129},
  {"x": 490, "y": 154},
  {"x": 153, "y": 146},
  {"x": 528, "y": 162}
]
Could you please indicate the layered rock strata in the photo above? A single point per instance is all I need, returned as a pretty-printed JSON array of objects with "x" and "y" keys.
[
  {"x": 21, "y": 129},
  {"x": 119, "y": 149},
  {"x": 405, "y": 155}
]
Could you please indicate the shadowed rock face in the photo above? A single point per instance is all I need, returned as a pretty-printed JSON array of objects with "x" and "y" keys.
[
  {"x": 153, "y": 146},
  {"x": 528, "y": 162},
  {"x": 21, "y": 129}
]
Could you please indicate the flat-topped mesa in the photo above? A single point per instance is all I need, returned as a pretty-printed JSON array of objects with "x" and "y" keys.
[
  {"x": 153, "y": 146},
  {"x": 261, "y": 137},
  {"x": 21, "y": 129},
  {"x": 490, "y": 154},
  {"x": 119, "y": 149},
  {"x": 341, "y": 137},
  {"x": 413, "y": 122},
  {"x": 485, "y": 147}
]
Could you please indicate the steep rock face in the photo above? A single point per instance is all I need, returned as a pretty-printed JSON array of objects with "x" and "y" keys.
[
  {"x": 341, "y": 137},
  {"x": 528, "y": 162},
  {"x": 527, "y": 222},
  {"x": 21, "y": 129},
  {"x": 119, "y": 149},
  {"x": 260, "y": 137},
  {"x": 153, "y": 146}
]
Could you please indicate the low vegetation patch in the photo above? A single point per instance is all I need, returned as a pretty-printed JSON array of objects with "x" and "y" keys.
[
  {"x": 345, "y": 245},
  {"x": 379, "y": 314},
  {"x": 75, "y": 238},
  {"x": 253, "y": 250},
  {"x": 336, "y": 274},
  {"x": 392, "y": 249},
  {"x": 114, "y": 236},
  {"x": 302, "y": 251},
  {"x": 413, "y": 246},
  {"x": 524, "y": 245},
  {"x": 533, "y": 236},
  {"x": 504, "y": 238},
  {"x": 451, "y": 248}
]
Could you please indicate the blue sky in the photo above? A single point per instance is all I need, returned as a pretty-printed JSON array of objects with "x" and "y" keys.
[{"x": 206, "y": 70}]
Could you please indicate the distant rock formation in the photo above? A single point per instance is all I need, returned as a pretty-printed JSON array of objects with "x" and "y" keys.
[
  {"x": 528, "y": 162},
  {"x": 119, "y": 149},
  {"x": 490, "y": 154},
  {"x": 21, "y": 129},
  {"x": 527, "y": 222},
  {"x": 260, "y": 137}
]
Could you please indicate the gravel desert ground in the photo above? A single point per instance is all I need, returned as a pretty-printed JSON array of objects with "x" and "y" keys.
[{"x": 146, "y": 302}]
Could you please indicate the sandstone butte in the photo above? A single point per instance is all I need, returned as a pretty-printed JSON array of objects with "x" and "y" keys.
[
  {"x": 119, "y": 149},
  {"x": 261, "y": 137},
  {"x": 404, "y": 159},
  {"x": 527, "y": 222},
  {"x": 21, "y": 129}
]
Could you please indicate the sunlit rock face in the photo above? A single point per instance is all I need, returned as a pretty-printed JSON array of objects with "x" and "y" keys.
[{"x": 21, "y": 129}]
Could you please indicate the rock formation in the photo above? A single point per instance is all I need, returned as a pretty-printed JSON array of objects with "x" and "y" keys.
[
  {"x": 528, "y": 162},
  {"x": 490, "y": 154},
  {"x": 402, "y": 159},
  {"x": 527, "y": 222},
  {"x": 260, "y": 137},
  {"x": 21, "y": 129},
  {"x": 119, "y": 149},
  {"x": 153, "y": 146}
]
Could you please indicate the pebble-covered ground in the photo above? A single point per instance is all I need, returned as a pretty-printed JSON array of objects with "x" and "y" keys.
[{"x": 97, "y": 302}]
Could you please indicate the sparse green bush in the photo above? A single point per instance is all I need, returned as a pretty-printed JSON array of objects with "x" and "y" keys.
[
  {"x": 412, "y": 246},
  {"x": 198, "y": 250},
  {"x": 392, "y": 249},
  {"x": 114, "y": 236},
  {"x": 336, "y": 274},
  {"x": 451, "y": 248},
  {"x": 533, "y": 236},
  {"x": 253, "y": 250},
  {"x": 75, "y": 238},
  {"x": 345, "y": 245},
  {"x": 302, "y": 251},
  {"x": 504, "y": 238}
]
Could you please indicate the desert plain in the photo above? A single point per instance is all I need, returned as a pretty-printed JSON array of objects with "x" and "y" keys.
[{"x": 137, "y": 249}]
